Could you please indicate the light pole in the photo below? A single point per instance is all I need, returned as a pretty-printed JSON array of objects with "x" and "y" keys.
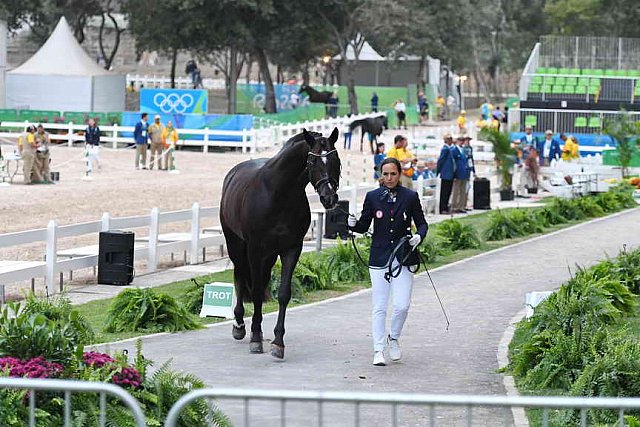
[{"x": 462, "y": 80}]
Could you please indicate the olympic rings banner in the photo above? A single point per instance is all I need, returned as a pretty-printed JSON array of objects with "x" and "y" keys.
[{"x": 174, "y": 101}]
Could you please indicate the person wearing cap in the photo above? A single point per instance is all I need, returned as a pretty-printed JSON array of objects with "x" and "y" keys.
[
  {"x": 155, "y": 135},
  {"x": 460, "y": 177},
  {"x": 548, "y": 149},
  {"x": 141, "y": 136},
  {"x": 405, "y": 157},
  {"x": 42, "y": 154},
  {"x": 445, "y": 169},
  {"x": 27, "y": 149}
]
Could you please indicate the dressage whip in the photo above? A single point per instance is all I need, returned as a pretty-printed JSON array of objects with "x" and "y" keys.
[{"x": 395, "y": 272}]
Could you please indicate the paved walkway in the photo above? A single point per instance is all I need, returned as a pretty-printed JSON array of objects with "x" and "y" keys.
[{"x": 329, "y": 344}]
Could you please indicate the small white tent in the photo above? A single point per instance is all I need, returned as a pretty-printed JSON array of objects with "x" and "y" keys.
[{"x": 61, "y": 76}]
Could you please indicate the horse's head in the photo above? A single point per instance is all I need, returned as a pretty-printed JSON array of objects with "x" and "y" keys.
[
  {"x": 303, "y": 88},
  {"x": 384, "y": 121},
  {"x": 323, "y": 166}
]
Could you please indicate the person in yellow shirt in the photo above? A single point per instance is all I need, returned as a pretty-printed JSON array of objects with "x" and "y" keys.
[
  {"x": 570, "y": 150},
  {"x": 462, "y": 122},
  {"x": 405, "y": 157},
  {"x": 27, "y": 147},
  {"x": 169, "y": 140},
  {"x": 441, "y": 102}
]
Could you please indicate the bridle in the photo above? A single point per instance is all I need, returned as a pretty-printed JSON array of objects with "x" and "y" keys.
[{"x": 311, "y": 159}]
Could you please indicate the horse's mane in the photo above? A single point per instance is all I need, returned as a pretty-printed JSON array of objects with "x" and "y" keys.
[
  {"x": 297, "y": 138},
  {"x": 354, "y": 124}
]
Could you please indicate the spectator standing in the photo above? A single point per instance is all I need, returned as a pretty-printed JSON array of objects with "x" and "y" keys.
[
  {"x": 445, "y": 170},
  {"x": 406, "y": 158},
  {"x": 169, "y": 141},
  {"x": 548, "y": 149},
  {"x": 531, "y": 168},
  {"x": 401, "y": 113},
  {"x": 92, "y": 145},
  {"x": 462, "y": 122},
  {"x": 461, "y": 178},
  {"x": 141, "y": 136},
  {"x": 374, "y": 102},
  {"x": 527, "y": 142},
  {"x": 332, "y": 105},
  {"x": 155, "y": 135},
  {"x": 346, "y": 132},
  {"x": 378, "y": 157},
  {"x": 423, "y": 107},
  {"x": 441, "y": 103},
  {"x": 570, "y": 150},
  {"x": 27, "y": 149},
  {"x": 43, "y": 154}
]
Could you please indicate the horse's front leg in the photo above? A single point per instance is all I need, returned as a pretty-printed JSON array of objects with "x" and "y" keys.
[
  {"x": 361, "y": 139},
  {"x": 289, "y": 260},
  {"x": 260, "y": 275}
]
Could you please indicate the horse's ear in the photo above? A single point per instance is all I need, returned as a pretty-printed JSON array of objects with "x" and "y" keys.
[
  {"x": 333, "y": 137},
  {"x": 307, "y": 137}
]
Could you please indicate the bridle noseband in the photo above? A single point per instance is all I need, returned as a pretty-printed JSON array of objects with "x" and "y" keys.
[{"x": 324, "y": 179}]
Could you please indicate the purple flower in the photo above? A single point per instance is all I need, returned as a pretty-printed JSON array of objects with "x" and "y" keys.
[
  {"x": 128, "y": 377},
  {"x": 96, "y": 359}
]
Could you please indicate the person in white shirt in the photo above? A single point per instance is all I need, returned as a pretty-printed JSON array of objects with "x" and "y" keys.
[{"x": 401, "y": 112}]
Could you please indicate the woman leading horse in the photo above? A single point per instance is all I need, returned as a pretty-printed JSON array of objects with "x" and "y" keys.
[{"x": 264, "y": 213}]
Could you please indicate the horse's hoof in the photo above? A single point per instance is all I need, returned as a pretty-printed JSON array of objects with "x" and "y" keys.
[
  {"x": 277, "y": 351},
  {"x": 238, "y": 332},
  {"x": 256, "y": 347}
]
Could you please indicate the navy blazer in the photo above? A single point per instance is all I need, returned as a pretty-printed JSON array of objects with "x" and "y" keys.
[
  {"x": 462, "y": 167},
  {"x": 554, "y": 152},
  {"x": 446, "y": 164},
  {"x": 141, "y": 132},
  {"x": 391, "y": 221}
]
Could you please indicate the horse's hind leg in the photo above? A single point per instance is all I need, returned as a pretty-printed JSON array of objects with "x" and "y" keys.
[
  {"x": 289, "y": 260},
  {"x": 237, "y": 249},
  {"x": 260, "y": 266}
]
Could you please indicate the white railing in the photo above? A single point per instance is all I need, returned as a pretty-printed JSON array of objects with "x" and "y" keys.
[
  {"x": 150, "y": 248},
  {"x": 154, "y": 81},
  {"x": 249, "y": 139},
  {"x": 529, "y": 70}
]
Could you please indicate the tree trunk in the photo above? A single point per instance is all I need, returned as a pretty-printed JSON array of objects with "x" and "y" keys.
[
  {"x": 305, "y": 74},
  {"x": 249, "y": 69},
  {"x": 270, "y": 96},
  {"x": 174, "y": 60},
  {"x": 232, "y": 82},
  {"x": 351, "y": 86},
  {"x": 421, "y": 75}
]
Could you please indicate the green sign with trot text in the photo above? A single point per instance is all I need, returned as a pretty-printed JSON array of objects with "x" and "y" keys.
[{"x": 218, "y": 300}]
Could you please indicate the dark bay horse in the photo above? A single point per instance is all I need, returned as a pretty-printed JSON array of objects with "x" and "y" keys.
[
  {"x": 314, "y": 95},
  {"x": 373, "y": 126},
  {"x": 264, "y": 212}
]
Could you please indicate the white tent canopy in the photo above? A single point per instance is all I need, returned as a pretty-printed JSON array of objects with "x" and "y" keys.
[{"x": 61, "y": 76}]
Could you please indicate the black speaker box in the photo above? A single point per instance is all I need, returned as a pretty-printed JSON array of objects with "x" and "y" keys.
[
  {"x": 115, "y": 257},
  {"x": 481, "y": 193},
  {"x": 335, "y": 223}
]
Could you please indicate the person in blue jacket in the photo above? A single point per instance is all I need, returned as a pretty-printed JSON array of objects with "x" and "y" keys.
[
  {"x": 445, "y": 169},
  {"x": 461, "y": 177},
  {"x": 141, "y": 136},
  {"x": 392, "y": 208},
  {"x": 548, "y": 149}
]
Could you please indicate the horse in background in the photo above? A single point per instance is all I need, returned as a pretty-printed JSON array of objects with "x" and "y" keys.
[
  {"x": 264, "y": 213},
  {"x": 315, "y": 95},
  {"x": 373, "y": 126}
]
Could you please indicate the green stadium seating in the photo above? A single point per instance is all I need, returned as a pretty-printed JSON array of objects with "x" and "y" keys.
[
  {"x": 609, "y": 72},
  {"x": 636, "y": 90},
  {"x": 569, "y": 89},
  {"x": 549, "y": 80},
  {"x": 531, "y": 121},
  {"x": 574, "y": 71},
  {"x": 546, "y": 89},
  {"x": 620, "y": 73},
  {"x": 594, "y": 90},
  {"x": 633, "y": 73},
  {"x": 536, "y": 80},
  {"x": 583, "y": 81},
  {"x": 582, "y": 90},
  {"x": 594, "y": 82},
  {"x": 557, "y": 89},
  {"x": 552, "y": 70},
  {"x": 598, "y": 72},
  {"x": 571, "y": 81},
  {"x": 560, "y": 80},
  {"x": 534, "y": 89},
  {"x": 541, "y": 70},
  {"x": 594, "y": 122},
  {"x": 564, "y": 71},
  {"x": 580, "y": 122}
]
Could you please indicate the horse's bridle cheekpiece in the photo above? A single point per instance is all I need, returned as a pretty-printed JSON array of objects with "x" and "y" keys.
[{"x": 310, "y": 162}]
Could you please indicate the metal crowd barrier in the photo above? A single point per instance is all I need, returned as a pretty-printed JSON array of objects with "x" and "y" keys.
[
  {"x": 394, "y": 400},
  {"x": 68, "y": 386}
]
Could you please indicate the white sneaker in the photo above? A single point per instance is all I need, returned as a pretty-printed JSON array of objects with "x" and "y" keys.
[
  {"x": 378, "y": 359},
  {"x": 394, "y": 349}
]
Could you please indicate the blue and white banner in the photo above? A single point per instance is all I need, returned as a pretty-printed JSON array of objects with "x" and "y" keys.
[{"x": 174, "y": 101}]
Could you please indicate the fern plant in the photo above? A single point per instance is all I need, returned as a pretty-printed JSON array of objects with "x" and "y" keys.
[
  {"x": 457, "y": 235},
  {"x": 568, "y": 209},
  {"x": 145, "y": 310},
  {"x": 344, "y": 263},
  {"x": 502, "y": 226},
  {"x": 58, "y": 308},
  {"x": 549, "y": 216},
  {"x": 526, "y": 220}
]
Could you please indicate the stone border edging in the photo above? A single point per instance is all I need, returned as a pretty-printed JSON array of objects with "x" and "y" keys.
[{"x": 519, "y": 414}]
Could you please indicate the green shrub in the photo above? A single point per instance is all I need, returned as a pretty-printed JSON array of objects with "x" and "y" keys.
[
  {"x": 192, "y": 298},
  {"x": 433, "y": 247},
  {"x": 145, "y": 310},
  {"x": 344, "y": 263},
  {"x": 29, "y": 335},
  {"x": 59, "y": 309},
  {"x": 501, "y": 226},
  {"x": 312, "y": 272},
  {"x": 457, "y": 235},
  {"x": 589, "y": 207},
  {"x": 526, "y": 220},
  {"x": 568, "y": 209},
  {"x": 624, "y": 195},
  {"x": 549, "y": 216},
  {"x": 628, "y": 269},
  {"x": 608, "y": 201}
]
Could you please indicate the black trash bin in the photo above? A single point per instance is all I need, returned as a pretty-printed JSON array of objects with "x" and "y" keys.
[
  {"x": 481, "y": 193},
  {"x": 115, "y": 257}
]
